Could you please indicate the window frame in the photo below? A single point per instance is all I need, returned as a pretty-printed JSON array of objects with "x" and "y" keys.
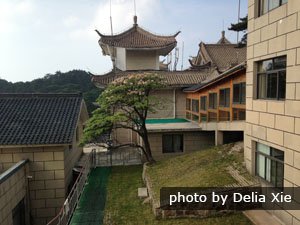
[
  {"x": 196, "y": 105},
  {"x": 205, "y": 103},
  {"x": 267, "y": 74},
  {"x": 188, "y": 104},
  {"x": 172, "y": 135},
  {"x": 215, "y": 106},
  {"x": 225, "y": 92},
  {"x": 272, "y": 159},
  {"x": 241, "y": 101},
  {"x": 260, "y": 7}
]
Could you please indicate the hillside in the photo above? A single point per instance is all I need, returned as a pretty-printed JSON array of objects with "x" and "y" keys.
[{"x": 72, "y": 81}]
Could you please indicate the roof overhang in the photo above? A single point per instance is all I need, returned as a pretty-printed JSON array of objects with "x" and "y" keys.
[{"x": 226, "y": 74}]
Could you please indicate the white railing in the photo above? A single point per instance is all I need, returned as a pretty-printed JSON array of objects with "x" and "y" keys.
[{"x": 67, "y": 210}]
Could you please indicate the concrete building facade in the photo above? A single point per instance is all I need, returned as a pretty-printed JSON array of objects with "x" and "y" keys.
[{"x": 272, "y": 135}]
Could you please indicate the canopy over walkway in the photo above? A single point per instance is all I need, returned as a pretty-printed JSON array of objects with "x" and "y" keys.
[{"x": 90, "y": 208}]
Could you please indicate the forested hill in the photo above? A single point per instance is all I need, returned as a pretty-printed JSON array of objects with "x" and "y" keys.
[{"x": 70, "y": 82}]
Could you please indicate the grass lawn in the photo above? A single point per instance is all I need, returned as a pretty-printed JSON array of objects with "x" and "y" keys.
[
  {"x": 124, "y": 207},
  {"x": 206, "y": 168}
]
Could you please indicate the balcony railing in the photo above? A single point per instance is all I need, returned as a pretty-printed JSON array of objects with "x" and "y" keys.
[{"x": 65, "y": 214}]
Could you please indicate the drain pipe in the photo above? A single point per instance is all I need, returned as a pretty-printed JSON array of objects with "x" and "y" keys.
[{"x": 174, "y": 99}]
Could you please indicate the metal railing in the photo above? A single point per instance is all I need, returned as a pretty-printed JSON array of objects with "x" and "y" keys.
[{"x": 65, "y": 214}]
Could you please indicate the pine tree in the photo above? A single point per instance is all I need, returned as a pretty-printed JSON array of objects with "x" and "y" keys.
[{"x": 241, "y": 26}]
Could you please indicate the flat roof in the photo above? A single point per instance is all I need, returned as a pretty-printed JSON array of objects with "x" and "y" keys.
[
  {"x": 171, "y": 125},
  {"x": 164, "y": 121}
]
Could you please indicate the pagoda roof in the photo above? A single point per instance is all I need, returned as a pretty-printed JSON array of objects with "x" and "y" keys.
[
  {"x": 173, "y": 78},
  {"x": 214, "y": 79},
  {"x": 137, "y": 38},
  {"x": 220, "y": 56}
]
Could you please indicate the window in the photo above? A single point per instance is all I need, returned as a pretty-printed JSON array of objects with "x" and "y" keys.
[
  {"x": 195, "y": 118},
  {"x": 225, "y": 97},
  {"x": 195, "y": 105},
  {"x": 188, "y": 104},
  {"x": 267, "y": 5},
  {"x": 213, "y": 100},
  {"x": 239, "y": 114},
  {"x": 203, "y": 102},
  {"x": 270, "y": 164},
  {"x": 188, "y": 115},
  {"x": 239, "y": 93},
  {"x": 271, "y": 79},
  {"x": 203, "y": 117},
  {"x": 172, "y": 143}
]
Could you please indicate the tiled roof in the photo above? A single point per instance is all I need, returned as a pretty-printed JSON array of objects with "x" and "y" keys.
[
  {"x": 173, "y": 78},
  {"x": 38, "y": 119},
  {"x": 138, "y": 38},
  {"x": 225, "y": 56},
  {"x": 212, "y": 79},
  {"x": 222, "y": 55}
]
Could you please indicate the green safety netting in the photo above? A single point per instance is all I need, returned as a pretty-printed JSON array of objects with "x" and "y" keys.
[{"x": 90, "y": 208}]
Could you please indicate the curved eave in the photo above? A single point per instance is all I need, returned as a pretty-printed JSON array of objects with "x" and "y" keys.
[{"x": 163, "y": 51}]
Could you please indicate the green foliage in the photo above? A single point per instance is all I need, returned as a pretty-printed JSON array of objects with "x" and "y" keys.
[
  {"x": 126, "y": 102},
  {"x": 70, "y": 82},
  {"x": 241, "y": 26}
]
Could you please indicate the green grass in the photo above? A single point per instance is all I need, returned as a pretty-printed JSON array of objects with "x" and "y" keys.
[
  {"x": 206, "y": 168},
  {"x": 123, "y": 207}
]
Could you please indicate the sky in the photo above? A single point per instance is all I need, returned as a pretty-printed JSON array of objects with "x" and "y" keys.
[{"x": 39, "y": 37}]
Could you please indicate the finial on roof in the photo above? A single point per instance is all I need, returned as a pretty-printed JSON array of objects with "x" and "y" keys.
[
  {"x": 135, "y": 20},
  {"x": 223, "y": 39}
]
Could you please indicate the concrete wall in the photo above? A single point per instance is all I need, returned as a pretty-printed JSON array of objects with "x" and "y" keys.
[
  {"x": 121, "y": 58},
  {"x": 192, "y": 141},
  {"x": 47, "y": 186},
  {"x": 51, "y": 171},
  {"x": 270, "y": 122},
  {"x": 12, "y": 192},
  {"x": 166, "y": 107},
  {"x": 142, "y": 60}
]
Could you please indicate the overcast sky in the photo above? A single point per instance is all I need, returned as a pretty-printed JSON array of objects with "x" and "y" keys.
[{"x": 44, "y": 36}]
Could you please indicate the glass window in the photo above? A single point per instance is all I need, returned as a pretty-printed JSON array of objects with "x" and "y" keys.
[
  {"x": 239, "y": 93},
  {"x": 172, "y": 143},
  {"x": 270, "y": 164},
  {"x": 195, "y": 105},
  {"x": 271, "y": 79},
  {"x": 195, "y": 118},
  {"x": 267, "y": 5},
  {"x": 188, "y": 104},
  {"x": 203, "y": 102},
  {"x": 225, "y": 97},
  {"x": 203, "y": 117},
  {"x": 213, "y": 100}
]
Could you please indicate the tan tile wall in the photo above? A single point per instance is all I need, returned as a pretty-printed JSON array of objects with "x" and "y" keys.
[
  {"x": 12, "y": 191},
  {"x": 275, "y": 123},
  {"x": 45, "y": 186},
  {"x": 193, "y": 141}
]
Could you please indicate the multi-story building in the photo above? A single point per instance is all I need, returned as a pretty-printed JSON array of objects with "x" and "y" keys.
[{"x": 272, "y": 136}]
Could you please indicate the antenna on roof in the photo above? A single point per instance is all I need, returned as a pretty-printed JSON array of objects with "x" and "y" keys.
[
  {"x": 239, "y": 15},
  {"x": 111, "y": 26},
  {"x": 223, "y": 24},
  {"x": 176, "y": 55},
  {"x": 135, "y": 16},
  {"x": 182, "y": 55},
  {"x": 134, "y": 7}
]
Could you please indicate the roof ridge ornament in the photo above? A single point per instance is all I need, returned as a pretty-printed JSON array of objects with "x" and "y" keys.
[{"x": 135, "y": 20}]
